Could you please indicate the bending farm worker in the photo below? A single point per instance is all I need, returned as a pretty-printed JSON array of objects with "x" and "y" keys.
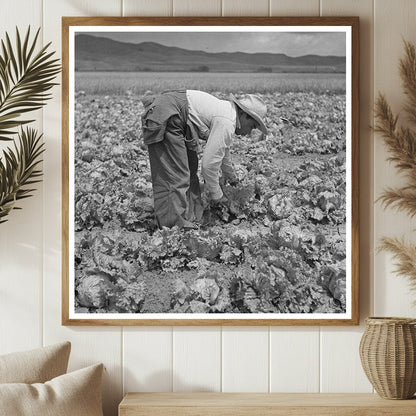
[{"x": 172, "y": 123}]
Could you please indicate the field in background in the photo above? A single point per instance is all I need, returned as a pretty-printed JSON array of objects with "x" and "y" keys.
[{"x": 118, "y": 83}]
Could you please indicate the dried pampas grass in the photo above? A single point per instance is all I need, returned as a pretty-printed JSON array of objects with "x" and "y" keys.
[
  {"x": 401, "y": 143},
  {"x": 405, "y": 255}
]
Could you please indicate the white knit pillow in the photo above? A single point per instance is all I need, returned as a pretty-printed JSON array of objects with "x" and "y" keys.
[
  {"x": 73, "y": 394},
  {"x": 35, "y": 366}
]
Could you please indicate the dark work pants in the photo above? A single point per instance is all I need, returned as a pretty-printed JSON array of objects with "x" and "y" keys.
[{"x": 174, "y": 175}]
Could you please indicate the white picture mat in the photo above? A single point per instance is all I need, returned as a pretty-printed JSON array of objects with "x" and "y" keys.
[{"x": 73, "y": 30}]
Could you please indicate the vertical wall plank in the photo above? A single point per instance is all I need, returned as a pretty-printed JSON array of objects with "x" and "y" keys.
[
  {"x": 294, "y": 8},
  {"x": 147, "y": 7},
  {"x": 393, "y": 21},
  {"x": 21, "y": 237},
  {"x": 20, "y": 13},
  {"x": 197, "y": 8},
  {"x": 340, "y": 363},
  {"x": 294, "y": 351},
  {"x": 196, "y": 359},
  {"x": 245, "y": 359},
  {"x": 341, "y": 370},
  {"x": 147, "y": 359},
  {"x": 89, "y": 345},
  {"x": 245, "y": 8}
]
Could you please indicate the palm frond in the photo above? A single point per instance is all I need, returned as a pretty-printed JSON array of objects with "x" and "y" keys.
[
  {"x": 25, "y": 79},
  {"x": 18, "y": 169}
]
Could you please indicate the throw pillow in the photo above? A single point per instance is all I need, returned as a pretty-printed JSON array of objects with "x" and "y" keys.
[
  {"x": 35, "y": 366},
  {"x": 73, "y": 394}
]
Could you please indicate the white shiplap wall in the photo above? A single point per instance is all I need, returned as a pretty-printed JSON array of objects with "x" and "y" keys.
[
  {"x": 261, "y": 359},
  {"x": 21, "y": 240}
]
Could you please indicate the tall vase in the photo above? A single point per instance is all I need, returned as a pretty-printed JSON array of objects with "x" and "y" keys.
[{"x": 388, "y": 356}]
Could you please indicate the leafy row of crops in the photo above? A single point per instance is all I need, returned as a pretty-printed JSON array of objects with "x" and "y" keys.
[{"x": 277, "y": 247}]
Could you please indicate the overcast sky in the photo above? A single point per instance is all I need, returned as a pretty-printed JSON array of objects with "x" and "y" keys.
[{"x": 289, "y": 43}]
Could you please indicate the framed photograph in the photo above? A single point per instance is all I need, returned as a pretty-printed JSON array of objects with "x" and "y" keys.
[{"x": 210, "y": 171}]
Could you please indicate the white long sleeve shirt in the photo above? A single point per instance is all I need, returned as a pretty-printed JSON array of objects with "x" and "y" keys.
[{"x": 215, "y": 121}]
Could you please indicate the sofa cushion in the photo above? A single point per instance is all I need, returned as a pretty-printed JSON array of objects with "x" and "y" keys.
[
  {"x": 73, "y": 394},
  {"x": 35, "y": 366}
]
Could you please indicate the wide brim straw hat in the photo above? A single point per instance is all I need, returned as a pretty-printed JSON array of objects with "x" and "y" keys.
[{"x": 254, "y": 106}]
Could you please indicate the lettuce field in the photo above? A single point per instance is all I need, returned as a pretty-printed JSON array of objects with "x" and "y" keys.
[{"x": 279, "y": 246}]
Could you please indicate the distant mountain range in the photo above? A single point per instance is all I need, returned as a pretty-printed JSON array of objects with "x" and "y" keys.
[{"x": 94, "y": 53}]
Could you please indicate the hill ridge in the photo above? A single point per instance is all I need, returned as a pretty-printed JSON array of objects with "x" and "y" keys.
[{"x": 97, "y": 53}]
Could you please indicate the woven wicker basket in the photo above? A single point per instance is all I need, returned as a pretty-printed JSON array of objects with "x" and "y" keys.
[{"x": 388, "y": 356}]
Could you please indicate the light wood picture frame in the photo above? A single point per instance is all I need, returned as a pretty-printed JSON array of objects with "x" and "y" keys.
[{"x": 282, "y": 246}]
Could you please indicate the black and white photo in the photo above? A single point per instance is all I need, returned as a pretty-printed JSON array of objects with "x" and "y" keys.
[{"x": 211, "y": 173}]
